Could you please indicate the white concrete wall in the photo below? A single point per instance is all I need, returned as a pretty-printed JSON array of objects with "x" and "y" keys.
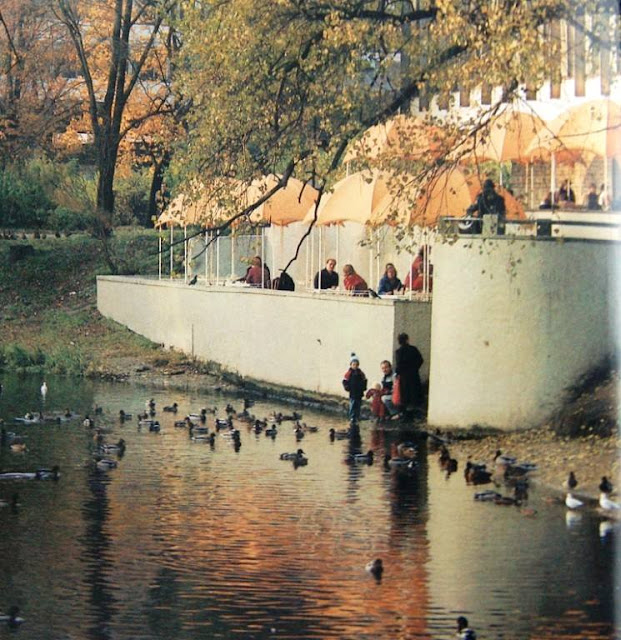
[
  {"x": 289, "y": 338},
  {"x": 514, "y": 323}
]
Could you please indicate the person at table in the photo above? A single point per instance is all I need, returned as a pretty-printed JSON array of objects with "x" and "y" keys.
[
  {"x": 353, "y": 282},
  {"x": 258, "y": 274},
  {"x": 566, "y": 195},
  {"x": 389, "y": 284},
  {"x": 592, "y": 199},
  {"x": 415, "y": 278},
  {"x": 489, "y": 202},
  {"x": 327, "y": 278}
]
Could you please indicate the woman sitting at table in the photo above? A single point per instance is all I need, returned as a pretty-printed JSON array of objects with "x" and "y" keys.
[
  {"x": 389, "y": 283},
  {"x": 353, "y": 282},
  {"x": 257, "y": 275},
  {"x": 415, "y": 278}
]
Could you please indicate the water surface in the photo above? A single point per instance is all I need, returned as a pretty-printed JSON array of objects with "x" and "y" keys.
[{"x": 185, "y": 541}]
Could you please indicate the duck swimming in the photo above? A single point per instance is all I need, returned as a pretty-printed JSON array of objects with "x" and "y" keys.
[
  {"x": 607, "y": 504},
  {"x": 502, "y": 460},
  {"x": 477, "y": 473},
  {"x": 376, "y": 568},
  {"x": 12, "y": 618},
  {"x": 605, "y": 486},
  {"x": 298, "y": 456},
  {"x": 362, "y": 458},
  {"x": 339, "y": 435},
  {"x": 463, "y": 631},
  {"x": 39, "y": 474},
  {"x": 171, "y": 408},
  {"x": 573, "y": 503},
  {"x": 571, "y": 483},
  {"x": 119, "y": 447}
]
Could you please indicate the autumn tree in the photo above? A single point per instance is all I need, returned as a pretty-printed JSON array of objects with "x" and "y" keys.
[
  {"x": 292, "y": 82},
  {"x": 122, "y": 50},
  {"x": 36, "y": 84}
]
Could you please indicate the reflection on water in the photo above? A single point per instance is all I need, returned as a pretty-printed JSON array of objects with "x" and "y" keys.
[{"x": 183, "y": 540}]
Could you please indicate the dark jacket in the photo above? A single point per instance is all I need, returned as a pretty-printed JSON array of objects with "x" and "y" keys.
[
  {"x": 328, "y": 279},
  {"x": 408, "y": 360},
  {"x": 386, "y": 285},
  {"x": 488, "y": 202},
  {"x": 355, "y": 382}
]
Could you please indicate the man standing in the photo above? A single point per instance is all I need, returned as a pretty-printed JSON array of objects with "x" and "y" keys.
[
  {"x": 409, "y": 360},
  {"x": 488, "y": 202}
]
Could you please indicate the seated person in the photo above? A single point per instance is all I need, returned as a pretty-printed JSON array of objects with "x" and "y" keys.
[
  {"x": 378, "y": 409},
  {"x": 327, "y": 278},
  {"x": 389, "y": 283},
  {"x": 257, "y": 275},
  {"x": 592, "y": 199},
  {"x": 353, "y": 282},
  {"x": 566, "y": 195},
  {"x": 547, "y": 202},
  {"x": 415, "y": 278}
]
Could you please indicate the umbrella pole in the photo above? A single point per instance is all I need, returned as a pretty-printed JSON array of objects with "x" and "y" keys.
[
  {"x": 263, "y": 258},
  {"x": 338, "y": 242},
  {"x": 553, "y": 180},
  {"x": 217, "y": 259},
  {"x": 319, "y": 263},
  {"x": 171, "y": 251},
  {"x": 273, "y": 251},
  {"x": 312, "y": 253},
  {"x": 206, "y": 253},
  {"x": 411, "y": 275},
  {"x": 186, "y": 253},
  {"x": 159, "y": 259},
  {"x": 233, "y": 255}
]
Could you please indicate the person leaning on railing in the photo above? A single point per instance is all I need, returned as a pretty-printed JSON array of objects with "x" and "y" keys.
[
  {"x": 415, "y": 278},
  {"x": 327, "y": 278},
  {"x": 489, "y": 202},
  {"x": 353, "y": 282}
]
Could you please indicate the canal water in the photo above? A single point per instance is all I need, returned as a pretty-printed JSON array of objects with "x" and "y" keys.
[{"x": 187, "y": 541}]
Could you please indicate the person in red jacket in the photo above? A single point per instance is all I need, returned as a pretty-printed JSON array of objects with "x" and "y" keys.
[
  {"x": 353, "y": 282},
  {"x": 355, "y": 383},
  {"x": 415, "y": 278}
]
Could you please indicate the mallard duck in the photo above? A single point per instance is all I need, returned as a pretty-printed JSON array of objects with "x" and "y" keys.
[
  {"x": 339, "y": 435},
  {"x": 154, "y": 426},
  {"x": 477, "y": 473},
  {"x": 123, "y": 415},
  {"x": 502, "y": 460},
  {"x": 487, "y": 496},
  {"x": 375, "y": 567},
  {"x": 223, "y": 424},
  {"x": 119, "y": 447},
  {"x": 171, "y": 408},
  {"x": 298, "y": 456},
  {"x": 271, "y": 431},
  {"x": 463, "y": 631},
  {"x": 106, "y": 463},
  {"x": 572, "y": 503},
  {"x": 204, "y": 437},
  {"x": 150, "y": 404},
  {"x": 362, "y": 458},
  {"x": 12, "y": 618},
  {"x": 88, "y": 422}
]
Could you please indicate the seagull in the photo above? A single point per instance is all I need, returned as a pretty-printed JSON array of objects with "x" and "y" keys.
[
  {"x": 573, "y": 503},
  {"x": 44, "y": 389}
]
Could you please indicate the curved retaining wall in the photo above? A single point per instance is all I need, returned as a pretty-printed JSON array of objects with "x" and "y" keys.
[
  {"x": 292, "y": 339},
  {"x": 515, "y": 323}
]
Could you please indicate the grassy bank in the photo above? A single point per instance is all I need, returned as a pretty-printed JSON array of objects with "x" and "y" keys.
[{"x": 48, "y": 308}]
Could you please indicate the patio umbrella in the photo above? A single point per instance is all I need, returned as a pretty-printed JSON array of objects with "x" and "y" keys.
[
  {"x": 289, "y": 204},
  {"x": 507, "y": 137},
  {"x": 408, "y": 137},
  {"x": 451, "y": 193}
]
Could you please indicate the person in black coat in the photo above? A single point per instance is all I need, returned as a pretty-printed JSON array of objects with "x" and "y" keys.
[
  {"x": 408, "y": 360},
  {"x": 327, "y": 278}
]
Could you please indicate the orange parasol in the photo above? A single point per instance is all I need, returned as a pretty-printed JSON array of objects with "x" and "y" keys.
[
  {"x": 404, "y": 136},
  {"x": 507, "y": 137},
  {"x": 289, "y": 204},
  {"x": 451, "y": 193}
]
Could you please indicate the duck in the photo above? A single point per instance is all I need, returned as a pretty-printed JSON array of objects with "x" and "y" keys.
[
  {"x": 571, "y": 483},
  {"x": 171, "y": 408},
  {"x": 106, "y": 463},
  {"x": 464, "y": 632},
  {"x": 507, "y": 501},
  {"x": 362, "y": 458},
  {"x": 201, "y": 417},
  {"x": 502, "y": 460},
  {"x": 12, "y": 618},
  {"x": 154, "y": 426},
  {"x": 488, "y": 495},
  {"x": 223, "y": 424},
  {"x": 339, "y": 435},
  {"x": 308, "y": 428},
  {"x": 48, "y": 474},
  {"x": 204, "y": 437},
  {"x": 18, "y": 446},
  {"x": 229, "y": 409},
  {"x": 271, "y": 432},
  {"x": 519, "y": 470},
  {"x": 607, "y": 504},
  {"x": 375, "y": 568},
  {"x": 88, "y": 422},
  {"x": 571, "y": 502},
  {"x": 14, "y": 504},
  {"x": 119, "y": 447},
  {"x": 146, "y": 422},
  {"x": 297, "y": 456},
  {"x": 97, "y": 410},
  {"x": 259, "y": 425},
  {"x": 406, "y": 464},
  {"x": 605, "y": 486},
  {"x": 477, "y": 473},
  {"x": 150, "y": 404}
]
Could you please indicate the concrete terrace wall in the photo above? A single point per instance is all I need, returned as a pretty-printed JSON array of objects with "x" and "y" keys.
[
  {"x": 301, "y": 340},
  {"x": 514, "y": 323}
]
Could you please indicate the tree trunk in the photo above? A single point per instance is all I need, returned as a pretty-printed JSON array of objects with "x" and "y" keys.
[{"x": 156, "y": 185}]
